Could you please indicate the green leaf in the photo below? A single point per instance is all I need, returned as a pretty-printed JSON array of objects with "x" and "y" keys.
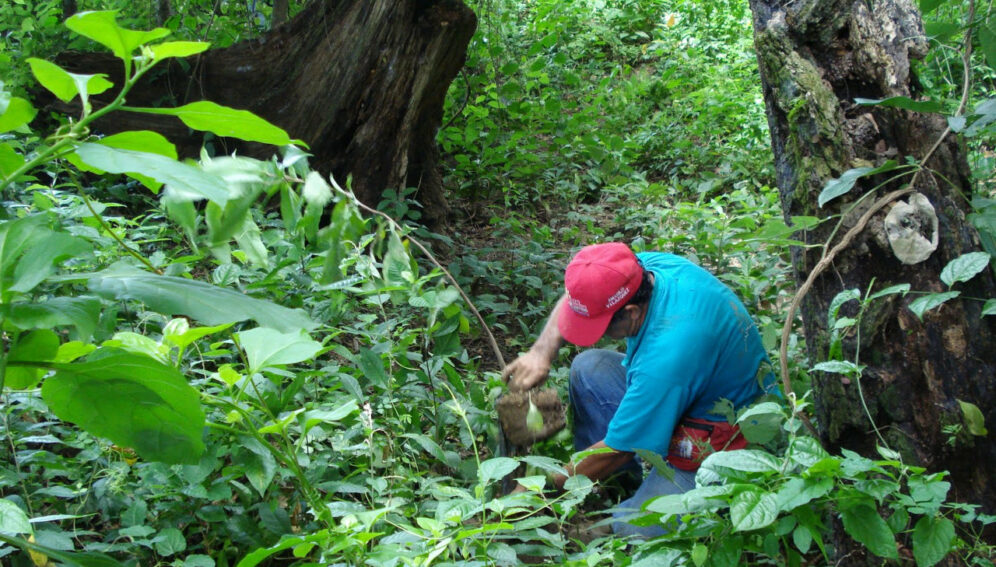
[
  {"x": 10, "y": 160},
  {"x": 312, "y": 418},
  {"x": 132, "y": 400},
  {"x": 841, "y": 185},
  {"x": 941, "y": 31},
  {"x": 928, "y": 6},
  {"x": 845, "y": 367},
  {"x": 806, "y": 451},
  {"x": 700, "y": 553},
  {"x": 206, "y": 303},
  {"x": 30, "y": 252},
  {"x": 973, "y": 418},
  {"x": 40, "y": 345},
  {"x": 862, "y": 522},
  {"x": 80, "y": 312},
  {"x": 760, "y": 423},
  {"x": 802, "y": 539},
  {"x": 534, "y": 419},
  {"x": 964, "y": 267},
  {"x": 182, "y": 335},
  {"x": 371, "y": 366},
  {"x": 901, "y": 289},
  {"x": 397, "y": 263},
  {"x": 66, "y": 85},
  {"x": 268, "y": 347},
  {"x": 496, "y": 469},
  {"x": 753, "y": 509},
  {"x": 287, "y": 542},
  {"x": 923, "y": 304},
  {"x": 261, "y": 466},
  {"x": 141, "y": 141},
  {"x": 169, "y": 541},
  {"x": 904, "y": 102},
  {"x": 178, "y": 175},
  {"x": 13, "y": 520},
  {"x": 197, "y": 560},
  {"x": 103, "y": 28},
  {"x": 224, "y": 121},
  {"x": 933, "y": 539},
  {"x": 42, "y": 257},
  {"x": 987, "y": 41},
  {"x": 18, "y": 113},
  {"x": 798, "y": 492},
  {"x": 177, "y": 49},
  {"x": 748, "y": 460},
  {"x": 989, "y": 308}
]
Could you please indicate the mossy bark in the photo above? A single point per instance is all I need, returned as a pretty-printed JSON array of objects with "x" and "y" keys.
[
  {"x": 362, "y": 82},
  {"x": 815, "y": 58}
]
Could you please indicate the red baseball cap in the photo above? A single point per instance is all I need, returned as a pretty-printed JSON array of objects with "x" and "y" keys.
[{"x": 599, "y": 280}]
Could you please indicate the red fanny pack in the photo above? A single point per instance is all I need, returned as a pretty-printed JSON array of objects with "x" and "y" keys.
[{"x": 694, "y": 439}]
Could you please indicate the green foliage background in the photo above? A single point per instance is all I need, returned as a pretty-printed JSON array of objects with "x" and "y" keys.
[{"x": 246, "y": 368}]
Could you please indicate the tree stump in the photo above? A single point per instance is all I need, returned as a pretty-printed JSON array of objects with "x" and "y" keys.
[{"x": 362, "y": 82}]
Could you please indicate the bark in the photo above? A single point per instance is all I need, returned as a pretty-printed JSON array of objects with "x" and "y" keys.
[
  {"x": 362, "y": 82},
  {"x": 815, "y": 58},
  {"x": 280, "y": 12}
]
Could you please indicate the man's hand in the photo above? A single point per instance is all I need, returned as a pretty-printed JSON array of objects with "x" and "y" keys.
[{"x": 527, "y": 371}]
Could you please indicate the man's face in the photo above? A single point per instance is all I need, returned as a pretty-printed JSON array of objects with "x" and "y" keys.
[{"x": 625, "y": 323}]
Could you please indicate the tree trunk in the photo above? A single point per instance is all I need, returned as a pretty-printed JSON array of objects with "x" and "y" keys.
[
  {"x": 816, "y": 57},
  {"x": 362, "y": 82},
  {"x": 280, "y": 11}
]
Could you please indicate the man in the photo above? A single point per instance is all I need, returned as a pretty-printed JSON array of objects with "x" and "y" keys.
[{"x": 689, "y": 344}]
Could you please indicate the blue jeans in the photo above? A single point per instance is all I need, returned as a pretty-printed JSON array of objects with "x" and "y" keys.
[{"x": 598, "y": 382}]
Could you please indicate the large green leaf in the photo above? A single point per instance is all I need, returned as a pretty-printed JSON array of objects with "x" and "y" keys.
[
  {"x": 987, "y": 41},
  {"x": 66, "y": 85},
  {"x": 42, "y": 344},
  {"x": 13, "y": 520},
  {"x": 862, "y": 522},
  {"x": 964, "y": 267},
  {"x": 798, "y": 492},
  {"x": 10, "y": 160},
  {"x": 30, "y": 251},
  {"x": 65, "y": 558},
  {"x": 743, "y": 460},
  {"x": 132, "y": 400},
  {"x": 841, "y": 185},
  {"x": 496, "y": 469},
  {"x": 753, "y": 509},
  {"x": 206, "y": 303},
  {"x": 178, "y": 49},
  {"x": 17, "y": 113},
  {"x": 178, "y": 175},
  {"x": 923, "y": 304},
  {"x": 928, "y": 6},
  {"x": 267, "y": 347},
  {"x": 973, "y": 418},
  {"x": 224, "y": 121},
  {"x": 932, "y": 540},
  {"x": 80, "y": 312},
  {"x": 103, "y": 28}
]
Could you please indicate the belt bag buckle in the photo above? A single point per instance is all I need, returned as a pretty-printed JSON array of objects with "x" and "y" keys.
[{"x": 695, "y": 439}]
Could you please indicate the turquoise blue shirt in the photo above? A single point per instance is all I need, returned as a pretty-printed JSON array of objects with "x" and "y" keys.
[{"x": 697, "y": 345}]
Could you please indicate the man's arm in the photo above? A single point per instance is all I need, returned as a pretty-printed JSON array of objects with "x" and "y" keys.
[
  {"x": 533, "y": 367},
  {"x": 597, "y": 466}
]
